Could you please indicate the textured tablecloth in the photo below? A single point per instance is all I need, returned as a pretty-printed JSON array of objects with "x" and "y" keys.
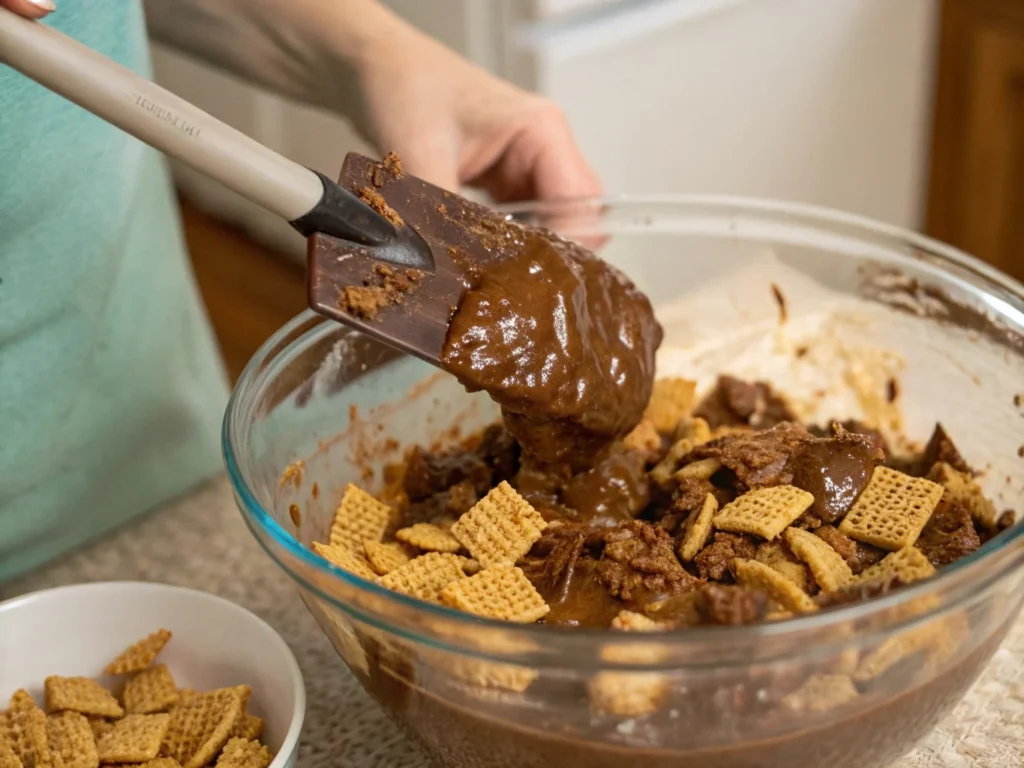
[{"x": 201, "y": 542}]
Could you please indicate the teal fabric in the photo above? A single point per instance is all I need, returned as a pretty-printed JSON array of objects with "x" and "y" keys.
[{"x": 111, "y": 388}]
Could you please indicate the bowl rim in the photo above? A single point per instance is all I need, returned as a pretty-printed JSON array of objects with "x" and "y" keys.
[
  {"x": 963, "y": 578},
  {"x": 290, "y": 743}
]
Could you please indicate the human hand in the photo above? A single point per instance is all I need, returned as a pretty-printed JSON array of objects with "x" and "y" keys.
[
  {"x": 453, "y": 123},
  {"x": 31, "y": 9}
]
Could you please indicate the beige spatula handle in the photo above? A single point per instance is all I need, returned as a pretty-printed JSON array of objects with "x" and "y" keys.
[{"x": 157, "y": 117}]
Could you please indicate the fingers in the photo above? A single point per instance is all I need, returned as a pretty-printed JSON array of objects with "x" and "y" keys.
[{"x": 31, "y": 9}]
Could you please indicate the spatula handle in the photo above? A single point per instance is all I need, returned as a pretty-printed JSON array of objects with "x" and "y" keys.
[{"x": 158, "y": 117}]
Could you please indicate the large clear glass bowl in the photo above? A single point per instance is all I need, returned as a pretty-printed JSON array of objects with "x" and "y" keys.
[{"x": 852, "y": 319}]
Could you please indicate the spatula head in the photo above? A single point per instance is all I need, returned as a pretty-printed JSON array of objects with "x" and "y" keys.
[{"x": 389, "y": 291}]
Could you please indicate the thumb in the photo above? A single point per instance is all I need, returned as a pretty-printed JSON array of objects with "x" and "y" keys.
[{"x": 30, "y": 9}]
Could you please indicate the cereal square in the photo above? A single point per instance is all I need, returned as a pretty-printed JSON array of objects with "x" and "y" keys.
[
  {"x": 23, "y": 726},
  {"x": 242, "y": 753},
  {"x": 133, "y": 739},
  {"x": 908, "y": 564},
  {"x": 80, "y": 694},
  {"x": 151, "y": 690},
  {"x": 346, "y": 559},
  {"x": 499, "y": 592},
  {"x": 359, "y": 518},
  {"x": 385, "y": 558},
  {"x": 140, "y": 655},
  {"x": 698, "y": 530},
  {"x": 764, "y": 512},
  {"x": 830, "y": 571},
  {"x": 892, "y": 510},
  {"x": 500, "y": 528},
  {"x": 751, "y": 573},
  {"x": 248, "y": 727},
  {"x": 68, "y": 735},
  {"x": 429, "y": 537},
  {"x": 671, "y": 401},
  {"x": 425, "y": 576},
  {"x": 200, "y": 728}
]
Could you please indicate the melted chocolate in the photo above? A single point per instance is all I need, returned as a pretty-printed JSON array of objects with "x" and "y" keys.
[
  {"x": 835, "y": 470},
  {"x": 563, "y": 342}
]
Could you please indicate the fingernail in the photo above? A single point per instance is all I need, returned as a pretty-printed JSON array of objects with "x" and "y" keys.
[{"x": 46, "y": 5}]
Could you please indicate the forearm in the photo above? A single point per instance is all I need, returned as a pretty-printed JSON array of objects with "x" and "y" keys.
[{"x": 310, "y": 50}]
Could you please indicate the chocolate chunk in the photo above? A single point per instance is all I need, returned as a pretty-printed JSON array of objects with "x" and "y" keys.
[
  {"x": 500, "y": 450},
  {"x": 730, "y": 604},
  {"x": 715, "y": 560},
  {"x": 836, "y": 470},
  {"x": 949, "y": 534},
  {"x": 858, "y": 556},
  {"x": 759, "y": 459},
  {"x": 735, "y": 402},
  {"x": 639, "y": 563},
  {"x": 940, "y": 447}
]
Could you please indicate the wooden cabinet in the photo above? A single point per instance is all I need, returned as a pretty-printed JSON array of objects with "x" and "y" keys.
[{"x": 976, "y": 196}]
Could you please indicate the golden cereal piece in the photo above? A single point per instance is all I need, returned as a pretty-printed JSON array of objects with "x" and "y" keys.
[
  {"x": 242, "y": 753},
  {"x": 425, "y": 576},
  {"x": 490, "y": 674},
  {"x": 499, "y": 592},
  {"x": 694, "y": 429},
  {"x": 359, "y": 518},
  {"x": 8, "y": 758},
  {"x": 200, "y": 729},
  {"x": 631, "y": 621},
  {"x": 133, "y": 739},
  {"x": 764, "y": 512},
  {"x": 788, "y": 595},
  {"x": 830, "y": 570},
  {"x": 140, "y": 655},
  {"x": 23, "y": 727},
  {"x": 385, "y": 558},
  {"x": 99, "y": 725},
  {"x": 70, "y": 740},
  {"x": 346, "y": 559},
  {"x": 776, "y": 556},
  {"x": 960, "y": 488},
  {"x": 664, "y": 470},
  {"x": 908, "y": 564},
  {"x": 644, "y": 437},
  {"x": 248, "y": 727},
  {"x": 151, "y": 690},
  {"x": 80, "y": 694},
  {"x": 671, "y": 401},
  {"x": 429, "y": 537},
  {"x": 698, "y": 470},
  {"x": 698, "y": 530},
  {"x": 500, "y": 528},
  {"x": 821, "y": 693},
  {"x": 891, "y": 511}
]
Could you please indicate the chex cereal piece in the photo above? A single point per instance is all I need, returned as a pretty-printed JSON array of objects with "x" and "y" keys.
[
  {"x": 385, "y": 558},
  {"x": 490, "y": 674},
  {"x": 908, "y": 564},
  {"x": 346, "y": 559},
  {"x": 764, "y": 512},
  {"x": 960, "y": 488},
  {"x": 788, "y": 595},
  {"x": 425, "y": 576},
  {"x": 23, "y": 726},
  {"x": 151, "y": 690},
  {"x": 821, "y": 693},
  {"x": 140, "y": 655},
  {"x": 249, "y": 727},
  {"x": 830, "y": 570},
  {"x": 359, "y": 517},
  {"x": 644, "y": 437},
  {"x": 80, "y": 694},
  {"x": 70, "y": 740},
  {"x": 429, "y": 537},
  {"x": 627, "y": 694},
  {"x": 133, "y": 739},
  {"x": 695, "y": 429},
  {"x": 776, "y": 556},
  {"x": 698, "y": 470},
  {"x": 698, "y": 529},
  {"x": 671, "y": 401},
  {"x": 891, "y": 511},
  {"x": 664, "y": 470},
  {"x": 8, "y": 758},
  {"x": 631, "y": 621},
  {"x": 500, "y": 528},
  {"x": 99, "y": 725},
  {"x": 499, "y": 592},
  {"x": 200, "y": 729},
  {"x": 242, "y": 753}
]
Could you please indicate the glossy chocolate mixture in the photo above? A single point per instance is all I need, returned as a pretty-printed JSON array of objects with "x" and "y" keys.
[{"x": 563, "y": 342}]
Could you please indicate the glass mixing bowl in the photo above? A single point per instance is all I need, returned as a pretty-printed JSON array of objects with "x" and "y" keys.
[{"x": 850, "y": 318}]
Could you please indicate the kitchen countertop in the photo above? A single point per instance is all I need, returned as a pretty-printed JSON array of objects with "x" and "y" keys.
[{"x": 201, "y": 542}]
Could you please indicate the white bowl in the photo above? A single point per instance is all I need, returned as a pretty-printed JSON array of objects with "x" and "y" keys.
[{"x": 77, "y": 630}]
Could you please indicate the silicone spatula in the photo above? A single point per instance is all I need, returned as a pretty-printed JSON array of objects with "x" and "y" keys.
[{"x": 308, "y": 200}]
